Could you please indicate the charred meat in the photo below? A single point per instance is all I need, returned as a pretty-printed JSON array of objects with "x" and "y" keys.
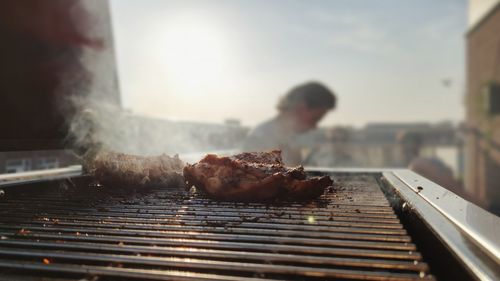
[
  {"x": 124, "y": 170},
  {"x": 256, "y": 176}
]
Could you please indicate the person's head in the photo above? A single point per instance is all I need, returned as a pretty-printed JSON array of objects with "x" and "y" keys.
[
  {"x": 307, "y": 104},
  {"x": 410, "y": 144}
]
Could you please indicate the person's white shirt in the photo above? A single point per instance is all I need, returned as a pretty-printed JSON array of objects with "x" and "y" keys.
[{"x": 274, "y": 134}]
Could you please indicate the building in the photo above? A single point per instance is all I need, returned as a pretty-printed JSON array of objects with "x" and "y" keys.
[{"x": 482, "y": 158}]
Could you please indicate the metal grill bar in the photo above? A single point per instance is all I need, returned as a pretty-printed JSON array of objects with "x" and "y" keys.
[
  {"x": 121, "y": 272},
  {"x": 208, "y": 253},
  {"x": 124, "y": 231},
  {"x": 176, "y": 229},
  {"x": 351, "y": 233},
  {"x": 404, "y": 255},
  {"x": 158, "y": 205},
  {"x": 205, "y": 264},
  {"x": 180, "y": 275},
  {"x": 236, "y": 229},
  {"x": 264, "y": 219},
  {"x": 166, "y": 213},
  {"x": 390, "y": 234}
]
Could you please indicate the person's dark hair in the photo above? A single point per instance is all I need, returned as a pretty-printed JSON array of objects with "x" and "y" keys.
[{"x": 312, "y": 94}]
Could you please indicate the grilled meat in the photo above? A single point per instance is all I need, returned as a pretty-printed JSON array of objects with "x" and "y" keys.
[
  {"x": 256, "y": 176},
  {"x": 123, "y": 170}
]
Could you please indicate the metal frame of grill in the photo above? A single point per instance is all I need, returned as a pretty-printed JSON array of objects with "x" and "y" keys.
[
  {"x": 467, "y": 231},
  {"x": 357, "y": 231}
]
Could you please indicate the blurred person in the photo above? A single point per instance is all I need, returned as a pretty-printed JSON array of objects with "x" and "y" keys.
[
  {"x": 299, "y": 111},
  {"x": 431, "y": 168}
]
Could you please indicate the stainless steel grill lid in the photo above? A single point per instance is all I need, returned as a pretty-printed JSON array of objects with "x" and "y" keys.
[{"x": 351, "y": 232}]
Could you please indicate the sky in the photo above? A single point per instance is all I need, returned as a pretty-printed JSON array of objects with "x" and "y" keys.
[{"x": 387, "y": 60}]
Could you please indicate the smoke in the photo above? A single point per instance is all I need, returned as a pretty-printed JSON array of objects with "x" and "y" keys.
[{"x": 99, "y": 123}]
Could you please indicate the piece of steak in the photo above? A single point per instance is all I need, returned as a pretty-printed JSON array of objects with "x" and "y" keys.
[
  {"x": 253, "y": 176},
  {"x": 132, "y": 171}
]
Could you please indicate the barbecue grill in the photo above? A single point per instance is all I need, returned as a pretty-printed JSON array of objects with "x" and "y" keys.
[
  {"x": 370, "y": 225},
  {"x": 61, "y": 225}
]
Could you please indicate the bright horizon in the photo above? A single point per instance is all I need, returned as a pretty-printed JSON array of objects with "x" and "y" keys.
[{"x": 209, "y": 61}]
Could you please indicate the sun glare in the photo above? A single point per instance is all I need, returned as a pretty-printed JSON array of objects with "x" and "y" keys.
[{"x": 195, "y": 55}]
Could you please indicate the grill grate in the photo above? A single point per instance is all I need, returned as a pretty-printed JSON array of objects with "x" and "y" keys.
[{"x": 88, "y": 231}]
